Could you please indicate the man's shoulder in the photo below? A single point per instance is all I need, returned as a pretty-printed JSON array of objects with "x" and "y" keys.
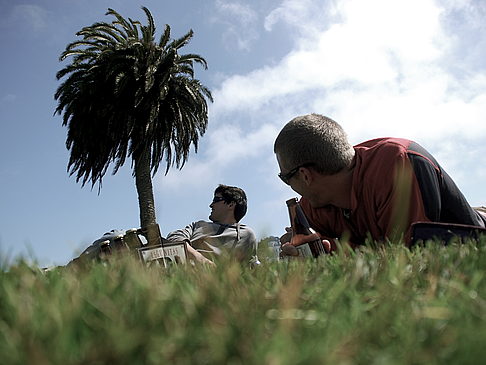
[
  {"x": 247, "y": 233},
  {"x": 246, "y": 228},
  {"x": 379, "y": 156},
  {"x": 198, "y": 225},
  {"x": 202, "y": 222},
  {"x": 385, "y": 143}
]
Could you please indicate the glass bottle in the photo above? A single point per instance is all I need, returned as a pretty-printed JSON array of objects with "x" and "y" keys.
[
  {"x": 304, "y": 238},
  {"x": 105, "y": 249},
  {"x": 131, "y": 239}
]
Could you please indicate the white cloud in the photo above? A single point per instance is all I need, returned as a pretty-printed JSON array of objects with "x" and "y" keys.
[
  {"x": 244, "y": 13},
  {"x": 293, "y": 12},
  {"x": 29, "y": 16},
  {"x": 224, "y": 147},
  {"x": 410, "y": 28},
  {"x": 194, "y": 172},
  {"x": 365, "y": 48},
  {"x": 231, "y": 142},
  {"x": 239, "y": 20},
  {"x": 379, "y": 68}
]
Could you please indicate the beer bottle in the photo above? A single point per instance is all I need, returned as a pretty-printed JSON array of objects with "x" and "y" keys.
[
  {"x": 105, "y": 249},
  {"x": 118, "y": 243},
  {"x": 304, "y": 238},
  {"x": 131, "y": 239}
]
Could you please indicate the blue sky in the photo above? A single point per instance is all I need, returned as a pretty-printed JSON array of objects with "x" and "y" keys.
[{"x": 411, "y": 68}]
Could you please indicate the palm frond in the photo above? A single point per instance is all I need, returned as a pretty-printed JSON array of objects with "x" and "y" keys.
[
  {"x": 190, "y": 58},
  {"x": 149, "y": 30},
  {"x": 165, "y": 37},
  {"x": 135, "y": 25},
  {"x": 181, "y": 42},
  {"x": 129, "y": 28}
]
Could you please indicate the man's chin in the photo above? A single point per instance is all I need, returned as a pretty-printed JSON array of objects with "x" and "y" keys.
[{"x": 318, "y": 205}]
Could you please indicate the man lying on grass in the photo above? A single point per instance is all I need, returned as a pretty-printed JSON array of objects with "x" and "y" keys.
[
  {"x": 375, "y": 189},
  {"x": 224, "y": 235}
]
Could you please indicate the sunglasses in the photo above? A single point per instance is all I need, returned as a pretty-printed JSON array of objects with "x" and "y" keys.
[
  {"x": 217, "y": 199},
  {"x": 286, "y": 177}
]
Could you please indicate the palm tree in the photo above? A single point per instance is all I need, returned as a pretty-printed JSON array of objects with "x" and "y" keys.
[{"x": 128, "y": 96}]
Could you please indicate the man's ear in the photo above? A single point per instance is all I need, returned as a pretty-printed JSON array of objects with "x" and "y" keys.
[{"x": 307, "y": 175}]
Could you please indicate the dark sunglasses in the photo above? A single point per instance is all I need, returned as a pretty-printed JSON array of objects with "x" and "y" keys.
[
  {"x": 217, "y": 199},
  {"x": 286, "y": 177}
]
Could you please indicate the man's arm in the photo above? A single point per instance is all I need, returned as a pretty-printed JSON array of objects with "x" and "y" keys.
[
  {"x": 186, "y": 235},
  {"x": 197, "y": 256},
  {"x": 402, "y": 204},
  {"x": 183, "y": 234}
]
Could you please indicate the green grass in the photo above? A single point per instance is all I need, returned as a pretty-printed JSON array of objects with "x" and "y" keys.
[{"x": 381, "y": 306}]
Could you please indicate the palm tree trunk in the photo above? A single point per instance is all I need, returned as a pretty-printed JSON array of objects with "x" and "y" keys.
[{"x": 143, "y": 182}]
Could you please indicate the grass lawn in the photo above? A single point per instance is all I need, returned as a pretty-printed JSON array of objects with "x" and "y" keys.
[{"x": 377, "y": 306}]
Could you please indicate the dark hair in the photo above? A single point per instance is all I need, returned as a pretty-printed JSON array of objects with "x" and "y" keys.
[
  {"x": 315, "y": 139},
  {"x": 236, "y": 195}
]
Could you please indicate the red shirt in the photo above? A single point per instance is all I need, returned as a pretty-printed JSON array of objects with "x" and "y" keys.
[{"x": 385, "y": 197}]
